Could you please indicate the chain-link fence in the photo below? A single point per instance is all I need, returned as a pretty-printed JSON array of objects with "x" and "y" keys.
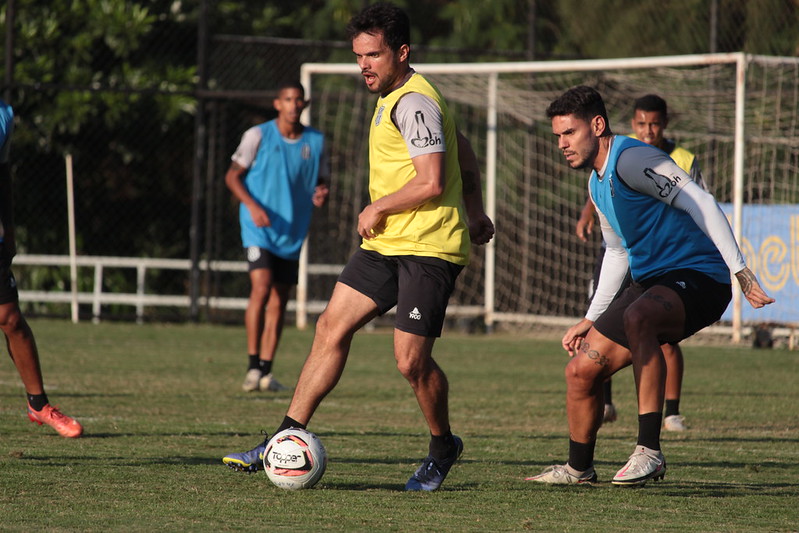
[{"x": 150, "y": 139}]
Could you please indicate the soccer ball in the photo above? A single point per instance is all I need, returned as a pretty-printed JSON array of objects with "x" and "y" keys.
[{"x": 295, "y": 459}]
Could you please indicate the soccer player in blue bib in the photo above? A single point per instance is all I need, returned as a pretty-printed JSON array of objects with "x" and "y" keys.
[
  {"x": 19, "y": 337},
  {"x": 278, "y": 173},
  {"x": 676, "y": 242},
  {"x": 649, "y": 122}
]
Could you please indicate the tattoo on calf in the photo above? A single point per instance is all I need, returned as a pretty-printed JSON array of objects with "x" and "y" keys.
[{"x": 594, "y": 355}]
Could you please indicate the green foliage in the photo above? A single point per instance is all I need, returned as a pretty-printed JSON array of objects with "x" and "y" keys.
[
  {"x": 99, "y": 44},
  {"x": 111, "y": 84},
  {"x": 161, "y": 405},
  {"x": 616, "y": 28},
  {"x": 475, "y": 24},
  {"x": 772, "y": 29},
  {"x": 569, "y": 28}
]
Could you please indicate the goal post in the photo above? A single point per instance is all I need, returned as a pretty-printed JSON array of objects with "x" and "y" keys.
[{"x": 737, "y": 112}]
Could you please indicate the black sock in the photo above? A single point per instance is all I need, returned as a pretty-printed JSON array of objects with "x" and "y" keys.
[
  {"x": 442, "y": 446},
  {"x": 649, "y": 430},
  {"x": 672, "y": 407},
  {"x": 37, "y": 401},
  {"x": 581, "y": 455},
  {"x": 289, "y": 422},
  {"x": 265, "y": 366},
  {"x": 606, "y": 386},
  {"x": 253, "y": 361}
]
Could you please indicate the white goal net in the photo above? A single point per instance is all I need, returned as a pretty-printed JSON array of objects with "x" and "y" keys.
[{"x": 738, "y": 113}]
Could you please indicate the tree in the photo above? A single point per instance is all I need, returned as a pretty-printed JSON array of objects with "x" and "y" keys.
[{"x": 111, "y": 83}]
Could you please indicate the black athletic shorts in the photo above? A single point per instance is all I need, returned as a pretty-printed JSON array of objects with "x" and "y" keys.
[
  {"x": 704, "y": 299},
  {"x": 420, "y": 287},
  {"x": 8, "y": 286},
  {"x": 284, "y": 271}
]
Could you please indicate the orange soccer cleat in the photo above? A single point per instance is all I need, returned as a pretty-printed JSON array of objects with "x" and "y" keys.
[{"x": 63, "y": 424}]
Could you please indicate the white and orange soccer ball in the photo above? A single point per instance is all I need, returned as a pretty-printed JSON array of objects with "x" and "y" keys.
[{"x": 295, "y": 459}]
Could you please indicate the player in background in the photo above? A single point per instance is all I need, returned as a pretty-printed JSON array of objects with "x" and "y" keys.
[
  {"x": 278, "y": 173},
  {"x": 675, "y": 241},
  {"x": 415, "y": 241},
  {"x": 650, "y": 120},
  {"x": 19, "y": 336}
]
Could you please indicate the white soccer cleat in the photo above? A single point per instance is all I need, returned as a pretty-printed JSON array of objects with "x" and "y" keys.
[
  {"x": 644, "y": 464},
  {"x": 674, "y": 423},
  {"x": 563, "y": 475},
  {"x": 251, "y": 380},
  {"x": 268, "y": 382}
]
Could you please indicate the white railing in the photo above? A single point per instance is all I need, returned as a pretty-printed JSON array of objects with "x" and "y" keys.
[{"x": 142, "y": 299}]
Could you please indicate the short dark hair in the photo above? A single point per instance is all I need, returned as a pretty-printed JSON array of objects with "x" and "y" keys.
[
  {"x": 651, "y": 102},
  {"x": 385, "y": 18},
  {"x": 582, "y": 101},
  {"x": 291, "y": 84}
]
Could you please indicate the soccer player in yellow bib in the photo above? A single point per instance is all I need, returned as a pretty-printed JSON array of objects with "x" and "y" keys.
[
  {"x": 649, "y": 122},
  {"x": 426, "y": 209}
]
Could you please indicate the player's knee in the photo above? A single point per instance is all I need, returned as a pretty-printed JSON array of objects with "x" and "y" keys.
[
  {"x": 259, "y": 293},
  {"x": 407, "y": 369},
  {"x": 582, "y": 374},
  {"x": 636, "y": 321},
  {"x": 276, "y": 305},
  {"x": 412, "y": 369},
  {"x": 323, "y": 324},
  {"x": 11, "y": 319}
]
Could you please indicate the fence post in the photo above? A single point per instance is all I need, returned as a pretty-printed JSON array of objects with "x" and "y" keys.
[
  {"x": 738, "y": 182},
  {"x": 73, "y": 256},
  {"x": 491, "y": 198},
  {"x": 98, "y": 289},
  {"x": 198, "y": 161},
  {"x": 141, "y": 270}
]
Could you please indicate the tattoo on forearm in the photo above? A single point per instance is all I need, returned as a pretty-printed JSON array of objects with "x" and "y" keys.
[
  {"x": 659, "y": 299},
  {"x": 469, "y": 181},
  {"x": 746, "y": 279},
  {"x": 594, "y": 355}
]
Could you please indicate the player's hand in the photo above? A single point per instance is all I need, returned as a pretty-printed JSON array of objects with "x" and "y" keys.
[
  {"x": 369, "y": 222},
  {"x": 574, "y": 336},
  {"x": 585, "y": 224},
  {"x": 752, "y": 290},
  {"x": 320, "y": 195},
  {"x": 481, "y": 229},
  {"x": 259, "y": 216}
]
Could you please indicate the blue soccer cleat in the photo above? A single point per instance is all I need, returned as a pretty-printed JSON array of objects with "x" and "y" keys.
[
  {"x": 251, "y": 461},
  {"x": 432, "y": 473}
]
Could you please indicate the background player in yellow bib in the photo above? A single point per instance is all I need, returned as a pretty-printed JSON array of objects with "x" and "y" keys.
[{"x": 416, "y": 240}]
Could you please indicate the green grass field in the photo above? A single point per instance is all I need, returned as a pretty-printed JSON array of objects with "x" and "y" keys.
[{"x": 161, "y": 404}]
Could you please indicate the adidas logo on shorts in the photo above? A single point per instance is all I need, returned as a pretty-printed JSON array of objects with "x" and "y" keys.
[{"x": 415, "y": 314}]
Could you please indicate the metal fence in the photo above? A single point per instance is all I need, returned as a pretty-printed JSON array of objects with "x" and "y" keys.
[{"x": 148, "y": 161}]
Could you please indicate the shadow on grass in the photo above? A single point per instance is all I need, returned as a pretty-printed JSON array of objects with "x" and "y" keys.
[
  {"x": 393, "y": 487},
  {"x": 120, "y": 462},
  {"x": 56, "y": 394},
  {"x": 700, "y": 489}
]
